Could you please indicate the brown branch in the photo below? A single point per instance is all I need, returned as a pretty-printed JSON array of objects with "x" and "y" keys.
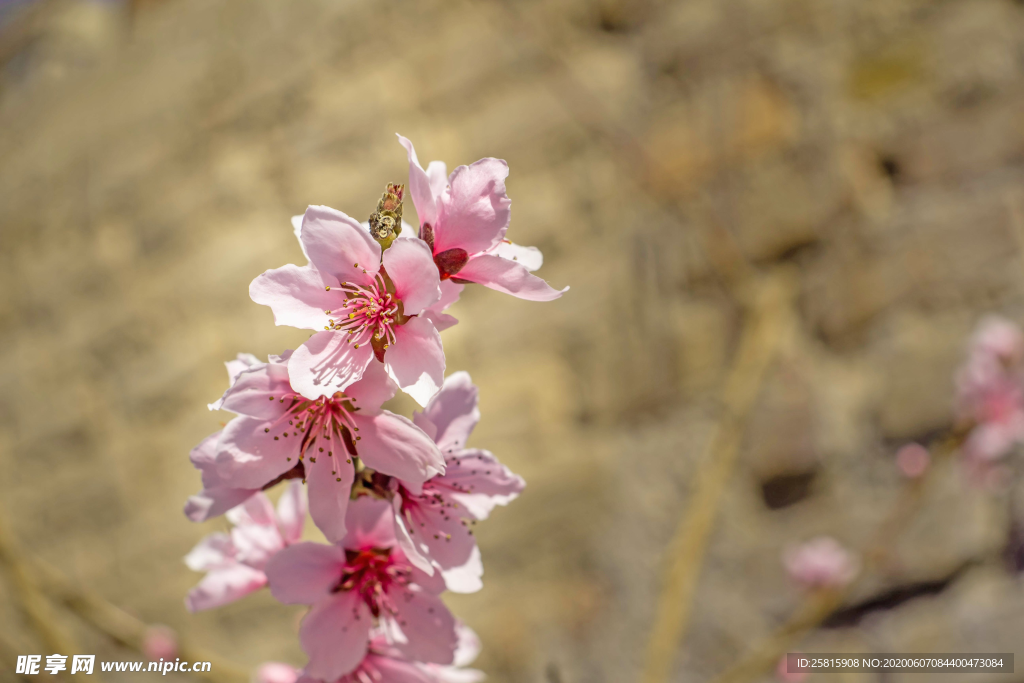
[
  {"x": 125, "y": 628},
  {"x": 770, "y": 318},
  {"x": 33, "y": 604}
]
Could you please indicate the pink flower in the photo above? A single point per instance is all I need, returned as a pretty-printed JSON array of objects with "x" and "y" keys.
[
  {"x": 366, "y": 306},
  {"x": 434, "y": 525},
  {"x": 234, "y": 563},
  {"x": 464, "y": 218},
  {"x": 159, "y": 642},
  {"x": 385, "y": 664},
  {"x": 280, "y": 434},
  {"x": 363, "y": 582},
  {"x": 820, "y": 563},
  {"x": 913, "y": 460},
  {"x": 990, "y": 390},
  {"x": 276, "y": 672}
]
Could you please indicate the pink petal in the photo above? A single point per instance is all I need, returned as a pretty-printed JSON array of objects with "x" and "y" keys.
[
  {"x": 427, "y": 625},
  {"x": 508, "y": 277},
  {"x": 211, "y": 502},
  {"x": 454, "y": 411},
  {"x": 450, "y": 292},
  {"x": 405, "y": 541},
  {"x": 327, "y": 363},
  {"x": 393, "y": 445},
  {"x": 249, "y": 457},
  {"x": 488, "y": 482},
  {"x": 296, "y": 295},
  {"x": 398, "y": 671},
  {"x": 475, "y": 212},
  {"x": 305, "y": 573},
  {"x": 466, "y": 578},
  {"x": 337, "y": 245},
  {"x": 242, "y": 362},
  {"x": 469, "y": 645},
  {"x": 373, "y": 389},
  {"x": 423, "y": 198},
  {"x": 251, "y": 392},
  {"x": 291, "y": 511},
  {"x": 255, "y": 544},
  {"x": 335, "y": 634},
  {"x": 276, "y": 672},
  {"x": 529, "y": 257},
  {"x": 416, "y": 360},
  {"x": 370, "y": 523},
  {"x": 212, "y": 552},
  {"x": 297, "y": 230},
  {"x": 410, "y": 265},
  {"x": 255, "y": 511},
  {"x": 222, "y": 586},
  {"x": 328, "y": 497},
  {"x": 440, "y": 532}
]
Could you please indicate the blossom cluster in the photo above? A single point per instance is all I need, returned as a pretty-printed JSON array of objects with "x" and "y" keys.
[{"x": 395, "y": 498}]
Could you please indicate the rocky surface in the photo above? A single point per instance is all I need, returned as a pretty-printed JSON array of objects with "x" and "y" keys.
[{"x": 151, "y": 156}]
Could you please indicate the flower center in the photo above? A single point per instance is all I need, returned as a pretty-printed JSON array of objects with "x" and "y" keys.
[
  {"x": 323, "y": 428},
  {"x": 367, "y": 314},
  {"x": 371, "y": 573}
]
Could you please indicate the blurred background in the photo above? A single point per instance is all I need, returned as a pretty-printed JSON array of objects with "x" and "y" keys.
[{"x": 674, "y": 160}]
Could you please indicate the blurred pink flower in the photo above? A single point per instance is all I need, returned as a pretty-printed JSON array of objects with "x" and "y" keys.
[
  {"x": 279, "y": 434},
  {"x": 433, "y": 526},
  {"x": 159, "y": 642},
  {"x": 365, "y": 579},
  {"x": 276, "y": 672},
  {"x": 464, "y": 217},
  {"x": 913, "y": 460},
  {"x": 366, "y": 305},
  {"x": 783, "y": 673},
  {"x": 820, "y": 563},
  {"x": 234, "y": 563},
  {"x": 384, "y": 664},
  {"x": 990, "y": 390}
]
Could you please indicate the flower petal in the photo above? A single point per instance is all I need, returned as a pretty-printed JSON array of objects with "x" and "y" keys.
[
  {"x": 475, "y": 212},
  {"x": 211, "y": 552},
  {"x": 242, "y": 362},
  {"x": 370, "y": 523},
  {"x": 479, "y": 482},
  {"x": 253, "y": 391},
  {"x": 338, "y": 246},
  {"x": 529, "y": 257},
  {"x": 327, "y": 363},
  {"x": 297, "y": 229},
  {"x": 410, "y": 265},
  {"x": 222, "y": 586},
  {"x": 440, "y": 532},
  {"x": 392, "y": 670},
  {"x": 212, "y": 502},
  {"x": 305, "y": 573},
  {"x": 250, "y": 457},
  {"x": 255, "y": 511},
  {"x": 454, "y": 411},
  {"x": 509, "y": 277},
  {"x": 426, "y": 623},
  {"x": 405, "y": 541},
  {"x": 373, "y": 389},
  {"x": 423, "y": 197},
  {"x": 393, "y": 445},
  {"x": 328, "y": 497},
  {"x": 416, "y": 360},
  {"x": 291, "y": 511},
  {"x": 335, "y": 634},
  {"x": 296, "y": 295},
  {"x": 466, "y": 578}
]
